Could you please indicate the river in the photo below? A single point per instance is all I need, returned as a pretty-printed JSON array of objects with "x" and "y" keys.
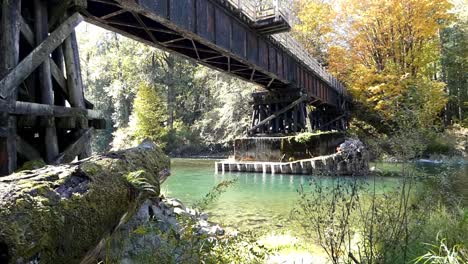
[{"x": 265, "y": 201}]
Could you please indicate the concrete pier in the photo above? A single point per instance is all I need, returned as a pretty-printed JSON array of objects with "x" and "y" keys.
[{"x": 336, "y": 164}]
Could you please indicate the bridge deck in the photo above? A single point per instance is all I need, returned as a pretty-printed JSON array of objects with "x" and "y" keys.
[{"x": 222, "y": 34}]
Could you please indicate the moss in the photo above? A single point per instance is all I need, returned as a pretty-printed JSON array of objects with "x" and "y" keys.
[
  {"x": 308, "y": 136},
  {"x": 91, "y": 168},
  {"x": 32, "y": 165},
  {"x": 38, "y": 218},
  {"x": 141, "y": 230}
]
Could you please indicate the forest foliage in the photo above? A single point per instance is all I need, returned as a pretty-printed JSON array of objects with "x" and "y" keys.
[
  {"x": 395, "y": 56},
  {"x": 148, "y": 93},
  {"x": 403, "y": 61}
]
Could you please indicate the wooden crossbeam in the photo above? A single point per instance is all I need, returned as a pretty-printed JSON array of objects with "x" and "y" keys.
[
  {"x": 35, "y": 109},
  {"x": 278, "y": 113},
  {"x": 26, "y": 31},
  {"x": 75, "y": 149},
  {"x": 37, "y": 56},
  {"x": 26, "y": 150},
  {"x": 58, "y": 76},
  {"x": 333, "y": 120}
]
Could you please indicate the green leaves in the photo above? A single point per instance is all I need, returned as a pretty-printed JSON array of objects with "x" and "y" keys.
[{"x": 143, "y": 182}]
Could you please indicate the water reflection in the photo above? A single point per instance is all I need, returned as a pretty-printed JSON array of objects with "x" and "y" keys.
[{"x": 257, "y": 200}]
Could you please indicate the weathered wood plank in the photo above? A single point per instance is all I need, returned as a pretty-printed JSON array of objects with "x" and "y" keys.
[
  {"x": 58, "y": 76},
  {"x": 37, "y": 56},
  {"x": 75, "y": 83},
  {"x": 26, "y": 150},
  {"x": 75, "y": 148},
  {"x": 45, "y": 81},
  {"x": 27, "y": 32},
  {"x": 35, "y": 109},
  {"x": 10, "y": 25},
  {"x": 278, "y": 113}
]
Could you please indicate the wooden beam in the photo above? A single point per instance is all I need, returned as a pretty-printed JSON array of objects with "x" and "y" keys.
[
  {"x": 58, "y": 10},
  {"x": 45, "y": 80},
  {"x": 278, "y": 113},
  {"x": 27, "y": 32},
  {"x": 35, "y": 109},
  {"x": 10, "y": 25},
  {"x": 76, "y": 148},
  {"x": 26, "y": 150},
  {"x": 58, "y": 76},
  {"x": 37, "y": 56},
  {"x": 56, "y": 68},
  {"x": 75, "y": 83},
  {"x": 330, "y": 122}
]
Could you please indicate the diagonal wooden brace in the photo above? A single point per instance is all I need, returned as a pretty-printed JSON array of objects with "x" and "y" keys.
[
  {"x": 278, "y": 113},
  {"x": 38, "y": 56}
]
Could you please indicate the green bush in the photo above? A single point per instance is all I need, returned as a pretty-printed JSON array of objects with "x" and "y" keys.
[{"x": 442, "y": 144}]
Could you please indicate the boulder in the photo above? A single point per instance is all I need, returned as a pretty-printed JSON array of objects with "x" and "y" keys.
[{"x": 64, "y": 214}]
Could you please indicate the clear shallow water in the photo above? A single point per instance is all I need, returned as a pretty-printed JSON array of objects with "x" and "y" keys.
[{"x": 255, "y": 201}]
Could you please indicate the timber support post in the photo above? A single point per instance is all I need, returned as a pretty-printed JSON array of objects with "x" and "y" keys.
[
  {"x": 9, "y": 48},
  {"x": 278, "y": 113},
  {"x": 37, "y": 46}
]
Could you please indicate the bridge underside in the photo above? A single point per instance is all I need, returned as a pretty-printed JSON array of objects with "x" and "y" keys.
[
  {"x": 289, "y": 111},
  {"x": 43, "y": 112}
]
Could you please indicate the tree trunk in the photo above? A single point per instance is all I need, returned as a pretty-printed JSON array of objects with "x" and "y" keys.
[
  {"x": 64, "y": 214},
  {"x": 170, "y": 90}
]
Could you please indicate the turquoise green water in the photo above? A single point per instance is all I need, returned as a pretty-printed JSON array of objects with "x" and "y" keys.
[{"x": 255, "y": 201}]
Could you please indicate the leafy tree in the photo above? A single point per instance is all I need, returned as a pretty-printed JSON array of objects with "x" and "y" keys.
[
  {"x": 149, "y": 115},
  {"x": 315, "y": 27},
  {"x": 454, "y": 64},
  {"x": 393, "y": 58},
  {"x": 230, "y": 116}
]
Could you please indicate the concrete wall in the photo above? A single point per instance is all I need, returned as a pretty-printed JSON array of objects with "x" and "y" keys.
[{"x": 276, "y": 149}]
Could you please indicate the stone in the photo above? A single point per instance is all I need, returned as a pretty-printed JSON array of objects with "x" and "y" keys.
[
  {"x": 75, "y": 207},
  {"x": 204, "y": 216}
]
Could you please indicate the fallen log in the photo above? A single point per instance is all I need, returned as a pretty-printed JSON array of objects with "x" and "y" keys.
[{"x": 62, "y": 214}]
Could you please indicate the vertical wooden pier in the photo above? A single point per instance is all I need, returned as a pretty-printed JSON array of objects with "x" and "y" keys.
[{"x": 44, "y": 115}]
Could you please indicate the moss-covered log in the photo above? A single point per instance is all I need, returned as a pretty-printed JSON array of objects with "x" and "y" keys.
[{"x": 62, "y": 214}]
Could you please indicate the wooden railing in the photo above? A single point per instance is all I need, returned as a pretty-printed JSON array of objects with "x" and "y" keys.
[{"x": 261, "y": 9}]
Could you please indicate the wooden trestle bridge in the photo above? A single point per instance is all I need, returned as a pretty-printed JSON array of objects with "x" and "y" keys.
[{"x": 44, "y": 114}]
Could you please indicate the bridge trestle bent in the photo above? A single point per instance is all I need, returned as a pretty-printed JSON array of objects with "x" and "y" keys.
[{"x": 38, "y": 45}]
